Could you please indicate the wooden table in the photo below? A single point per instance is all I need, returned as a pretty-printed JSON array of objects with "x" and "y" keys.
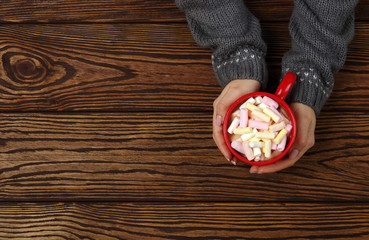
[{"x": 106, "y": 110}]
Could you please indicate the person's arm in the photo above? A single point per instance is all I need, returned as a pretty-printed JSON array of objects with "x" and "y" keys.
[
  {"x": 320, "y": 32},
  {"x": 234, "y": 35}
]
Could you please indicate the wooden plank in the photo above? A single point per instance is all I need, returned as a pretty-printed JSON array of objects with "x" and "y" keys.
[
  {"x": 57, "y": 11},
  {"x": 120, "y": 67},
  {"x": 102, "y": 67},
  {"x": 169, "y": 156},
  {"x": 109, "y": 11},
  {"x": 184, "y": 221}
]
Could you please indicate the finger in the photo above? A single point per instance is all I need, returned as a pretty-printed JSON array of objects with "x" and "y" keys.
[
  {"x": 219, "y": 141},
  {"x": 305, "y": 121},
  {"x": 254, "y": 169},
  {"x": 218, "y": 117}
]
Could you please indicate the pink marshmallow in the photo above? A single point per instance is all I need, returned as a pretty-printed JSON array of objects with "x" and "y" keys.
[
  {"x": 244, "y": 118},
  {"x": 274, "y": 146},
  {"x": 282, "y": 145},
  {"x": 288, "y": 127},
  {"x": 258, "y": 125},
  {"x": 270, "y": 102},
  {"x": 236, "y": 145},
  {"x": 248, "y": 151}
]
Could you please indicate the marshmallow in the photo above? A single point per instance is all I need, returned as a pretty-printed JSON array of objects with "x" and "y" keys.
[
  {"x": 262, "y": 106},
  {"x": 243, "y": 117},
  {"x": 236, "y": 114},
  {"x": 282, "y": 145},
  {"x": 242, "y": 130},
  {"x": 288, "y": 128},
  {"x": 252, "y": 107},
  {"x": 280, "y": 136},
  {"x": 256, "y": 144},
  {"x": 247, "y": 136},
  {"x": 233, "y": 125},
  {"x": 258, "y": 125},
  {"x": 257, "y": 152},
  {"x": 267, "y": 148},
  {"x": 277, "y": 112},
  {"x": 270, "y": 102},
  {"x": 236, "y": 145},
  {"x": 260, "y": 115},
  {"x": 254, "y": 139},
  {"x": 251, "y": 100},
  {"x": 274, "y": 146},
  {"x": 248, "y": 151},
  {"x": 278, "y": 126},
  {"x": 235, "y": 137},
  {"x": 264, "y": 135},
  {"x": 271, "y": 114},
  {"x": 258, "y": 100}
]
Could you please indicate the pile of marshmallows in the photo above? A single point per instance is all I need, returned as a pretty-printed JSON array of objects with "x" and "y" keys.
[{"x": 259, "y": 129}]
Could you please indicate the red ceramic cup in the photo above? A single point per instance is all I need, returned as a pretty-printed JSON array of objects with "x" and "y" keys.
[{"x": 279, "y": 97}]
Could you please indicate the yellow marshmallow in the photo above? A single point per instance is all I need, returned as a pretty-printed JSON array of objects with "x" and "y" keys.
[
  {"x": 267, "y": 149},
  {"x": 254, "y": 139},
  {"x": 271, "y": 114},
  {"x": 252, "y": 107},
  {"x": 264, "y": 135},
  {"x": 242, "y": 130},
  {"x": 260, "y": 116},
  {"x": 280, "y": 136}
]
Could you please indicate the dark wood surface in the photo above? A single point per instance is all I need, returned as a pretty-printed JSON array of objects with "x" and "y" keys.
[
  {"x": 185, "y": 221},
  {"x": 115, "y": 67},
  {"x": 169, "y": 156},
  {"x": 105, "y": 115},
  {"x": 57, "y": 11}
]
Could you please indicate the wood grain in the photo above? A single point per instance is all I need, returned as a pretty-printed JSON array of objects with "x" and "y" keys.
[
  {"x": 126, "y": 67},
  {"x": 58, "y": 11},
  {"x": 169, "y": 156},
  {"x": 184, "y": 221},
  {"x": 105, "y": 115}
]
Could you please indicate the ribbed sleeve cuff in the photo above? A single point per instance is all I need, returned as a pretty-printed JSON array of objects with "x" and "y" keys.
[
  {"x": 309, "y": 88},
  {"x": 244, "y": 63}
]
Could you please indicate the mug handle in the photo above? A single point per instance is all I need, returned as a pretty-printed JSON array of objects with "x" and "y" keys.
[{"x": 286, "y": 85}]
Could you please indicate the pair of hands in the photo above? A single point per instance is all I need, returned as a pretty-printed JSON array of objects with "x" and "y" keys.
[{"x": 305, "y": 120}]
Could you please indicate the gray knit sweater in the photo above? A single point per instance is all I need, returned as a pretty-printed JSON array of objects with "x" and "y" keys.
[{"x": 320, "y": 32}]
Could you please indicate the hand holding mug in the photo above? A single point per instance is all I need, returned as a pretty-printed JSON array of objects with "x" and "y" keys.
[{"x": 229, "y": 95}]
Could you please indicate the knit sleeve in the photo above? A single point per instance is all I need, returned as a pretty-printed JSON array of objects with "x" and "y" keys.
[
  {"x": 320, "y": 32},
  {"x": 234, "y": 35}
]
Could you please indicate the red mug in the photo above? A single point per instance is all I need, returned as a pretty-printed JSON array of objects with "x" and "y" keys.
[{"x": 279, "y": 96}]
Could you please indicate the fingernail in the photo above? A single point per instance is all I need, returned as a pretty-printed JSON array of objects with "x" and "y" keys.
[
  {"x": 294, "y": 154},
  {"x": 228, "y": 159},
  {"x": 218, "y": 121},
  {"x": 234, "y": 162}
]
